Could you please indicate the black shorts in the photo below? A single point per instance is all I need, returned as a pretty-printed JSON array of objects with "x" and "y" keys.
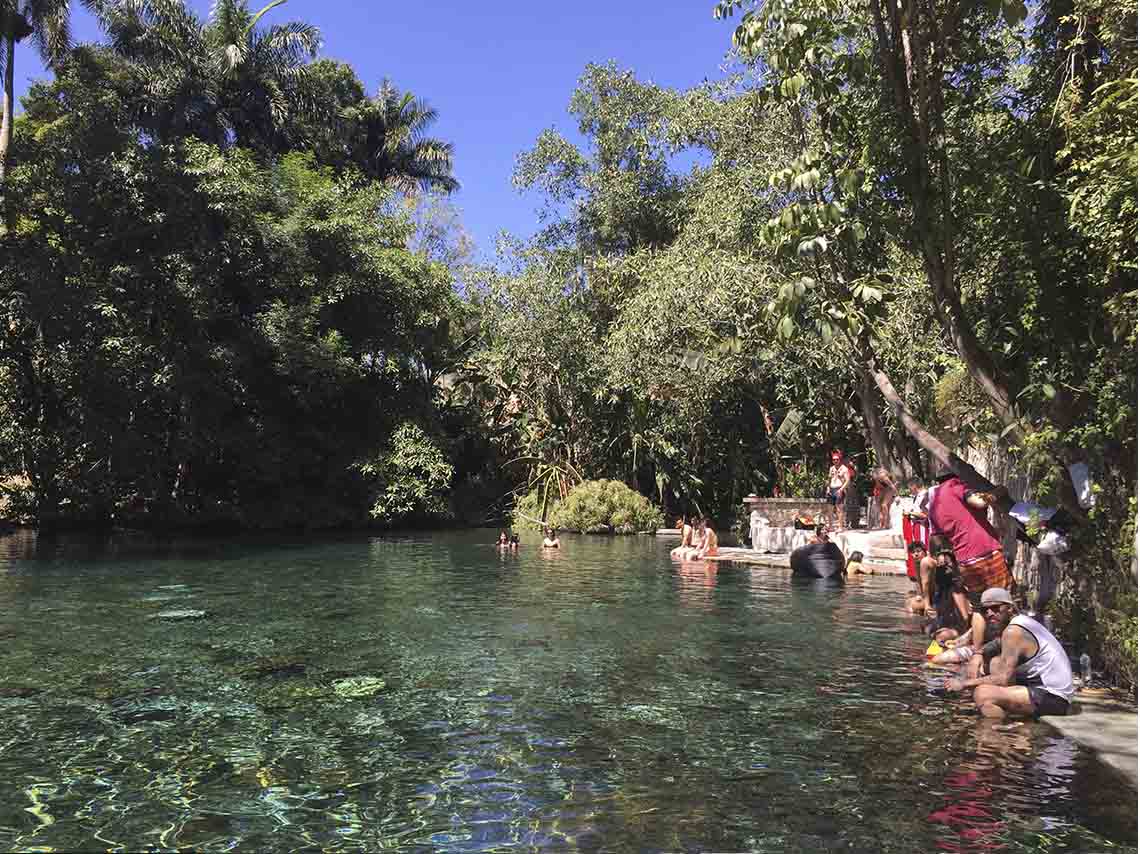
[{"x": 1045, "y": 703}]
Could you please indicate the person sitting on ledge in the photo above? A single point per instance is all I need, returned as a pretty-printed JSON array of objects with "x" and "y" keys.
[
  {"x": 922, "y": 601},
  {"x": 1030, "y": 676},
  {"x": 686, "y": 539},
  {"x": 709, "y": 542},
  {"x": 951, "y": 612}
]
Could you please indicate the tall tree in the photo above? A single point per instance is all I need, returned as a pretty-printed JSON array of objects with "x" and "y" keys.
[
  {"x": 389, "y": 142},
  {"x": 48, "y": 24},
  {"x": 225, "y": 80}
]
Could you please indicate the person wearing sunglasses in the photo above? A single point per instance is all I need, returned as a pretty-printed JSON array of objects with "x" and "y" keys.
[{"x": 1031, "y": 675}]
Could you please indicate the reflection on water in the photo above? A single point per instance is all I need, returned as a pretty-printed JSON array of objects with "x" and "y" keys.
[{"x": 435, "y": 693}]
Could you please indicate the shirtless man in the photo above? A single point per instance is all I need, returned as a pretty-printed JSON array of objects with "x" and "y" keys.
[
  {"x": 686, "y": 539},
  {"x": 838, "y": 477},
  {"x": 1030, "y": 676}
]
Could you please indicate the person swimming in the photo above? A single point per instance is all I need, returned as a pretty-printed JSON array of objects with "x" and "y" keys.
[
  {"x": 504, "y": 540},
  {"x": 551, "y": 541},
  {"x": 514, "y": 544}
]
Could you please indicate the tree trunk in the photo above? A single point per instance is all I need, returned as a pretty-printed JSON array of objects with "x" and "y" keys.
[
  {"x": 7, "y": 119},
  {"x": 931, "y": 443},
  {"x": 884, "y": 454}
]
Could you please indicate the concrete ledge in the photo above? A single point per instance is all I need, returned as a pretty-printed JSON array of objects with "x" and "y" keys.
[{"x": 1105, "y": 725}]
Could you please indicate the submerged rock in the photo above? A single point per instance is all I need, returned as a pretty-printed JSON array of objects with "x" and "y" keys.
[
  {"x": 288, "y": 694},
  {"x": 278, "y": 666},
  {"x": 133, "y": 711},
  {"x": 358, "y": 686},
  {"x": 9, "y": 691},
  {"x": 180, "y": 615}
]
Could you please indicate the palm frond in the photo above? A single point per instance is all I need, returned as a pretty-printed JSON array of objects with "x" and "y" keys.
[
  {"x": 50, "y": 21},
  {"x": 259, "y": 13},
  {"x": 296, "y": 40}
]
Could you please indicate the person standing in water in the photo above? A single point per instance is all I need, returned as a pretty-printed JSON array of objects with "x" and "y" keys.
[{"x": 551, "y": 541}]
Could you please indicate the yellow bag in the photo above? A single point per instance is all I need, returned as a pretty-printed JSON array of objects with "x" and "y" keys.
[{"x": 934, "y": 649}]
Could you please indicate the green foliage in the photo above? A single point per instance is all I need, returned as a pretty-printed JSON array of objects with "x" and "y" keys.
[
  {"x": 605, "y": 506},
  {"x": 527, "y": 512},
  {"x": 803, "y": 480},
  {"x": 411, "y": 479},
  {"x": 196, "y": 336}
]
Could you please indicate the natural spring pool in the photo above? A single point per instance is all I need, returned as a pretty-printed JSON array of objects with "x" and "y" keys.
[{"x": 429, "y": 693}]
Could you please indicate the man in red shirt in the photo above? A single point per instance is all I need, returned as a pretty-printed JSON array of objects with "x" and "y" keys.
[{"x": 958, "y": 512}]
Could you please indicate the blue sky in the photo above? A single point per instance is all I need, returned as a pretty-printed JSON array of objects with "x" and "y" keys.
[{"x": 498, "y": 72}]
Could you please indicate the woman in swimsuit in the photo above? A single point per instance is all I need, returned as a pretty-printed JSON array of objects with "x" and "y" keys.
[
  {"x": 696, "y": 541},
  {"x": 884, "y": 492},
  {"x": 709, "y": 544}
]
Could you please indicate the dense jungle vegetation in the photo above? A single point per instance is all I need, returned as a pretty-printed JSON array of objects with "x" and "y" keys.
[{"x": 234, "y": 293}]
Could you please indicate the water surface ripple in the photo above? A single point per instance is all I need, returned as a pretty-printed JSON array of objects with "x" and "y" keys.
[{"x": 429, "y": 693}]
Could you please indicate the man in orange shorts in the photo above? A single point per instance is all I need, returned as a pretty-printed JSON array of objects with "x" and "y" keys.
[{"x": 958, "y": 512}]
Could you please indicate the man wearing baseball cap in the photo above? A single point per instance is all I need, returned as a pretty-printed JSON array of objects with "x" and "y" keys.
[{"x": 1030, "y": 676}]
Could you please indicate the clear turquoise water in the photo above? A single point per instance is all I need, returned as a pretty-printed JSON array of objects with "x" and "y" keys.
[{"x": 602, "y": 698}]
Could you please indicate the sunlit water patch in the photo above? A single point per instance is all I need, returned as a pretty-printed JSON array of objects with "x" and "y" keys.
[{"x": 434, "y": 694}]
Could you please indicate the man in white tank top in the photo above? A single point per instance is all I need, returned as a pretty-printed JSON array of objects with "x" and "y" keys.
[{"x": 1030, "y": 676}]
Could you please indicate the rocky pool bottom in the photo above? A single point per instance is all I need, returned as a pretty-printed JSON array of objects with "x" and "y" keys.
[{"x": 431, "y": 693}]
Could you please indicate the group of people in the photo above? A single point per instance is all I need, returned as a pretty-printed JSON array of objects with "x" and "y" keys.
[
  {"x": 1011, "y": 662},
  {"x": 698, "y": 539},
  {"x": 510, "y": 541}
]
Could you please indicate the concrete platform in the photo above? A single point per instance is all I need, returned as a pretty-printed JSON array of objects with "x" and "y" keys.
[
  {"x": 782, "y": 561},
  {"x": 883, "y": 551},
  {"x": 1105, "y": 724}
]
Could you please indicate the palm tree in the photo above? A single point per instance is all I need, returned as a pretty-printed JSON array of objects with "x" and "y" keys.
[
  {"x": 224, "y": 79},
  {"x": 48, "y": 23},
  {"x": 389, "y": 143}
]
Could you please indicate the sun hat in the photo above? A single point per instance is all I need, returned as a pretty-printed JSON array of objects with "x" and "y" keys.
[{"x": 996, "y": 596}]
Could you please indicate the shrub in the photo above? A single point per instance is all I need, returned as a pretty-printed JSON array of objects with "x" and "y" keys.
[
  {"x": 605, "y": 506},
  {"x": 528, "y": 511},
  {"x": 412, "y": 479}
]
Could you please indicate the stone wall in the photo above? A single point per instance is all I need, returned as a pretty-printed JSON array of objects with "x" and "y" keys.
[{"x": 783, "y": 511}]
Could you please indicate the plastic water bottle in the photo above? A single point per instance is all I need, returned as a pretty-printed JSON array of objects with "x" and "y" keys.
[{"x": 1086, "y": 669}]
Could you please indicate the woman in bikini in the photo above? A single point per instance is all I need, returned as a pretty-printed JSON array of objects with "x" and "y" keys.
[{"x": 709, "y": 544}]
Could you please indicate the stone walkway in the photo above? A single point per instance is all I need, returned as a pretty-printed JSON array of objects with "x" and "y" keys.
[{"x": 1107, "y": 726}]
